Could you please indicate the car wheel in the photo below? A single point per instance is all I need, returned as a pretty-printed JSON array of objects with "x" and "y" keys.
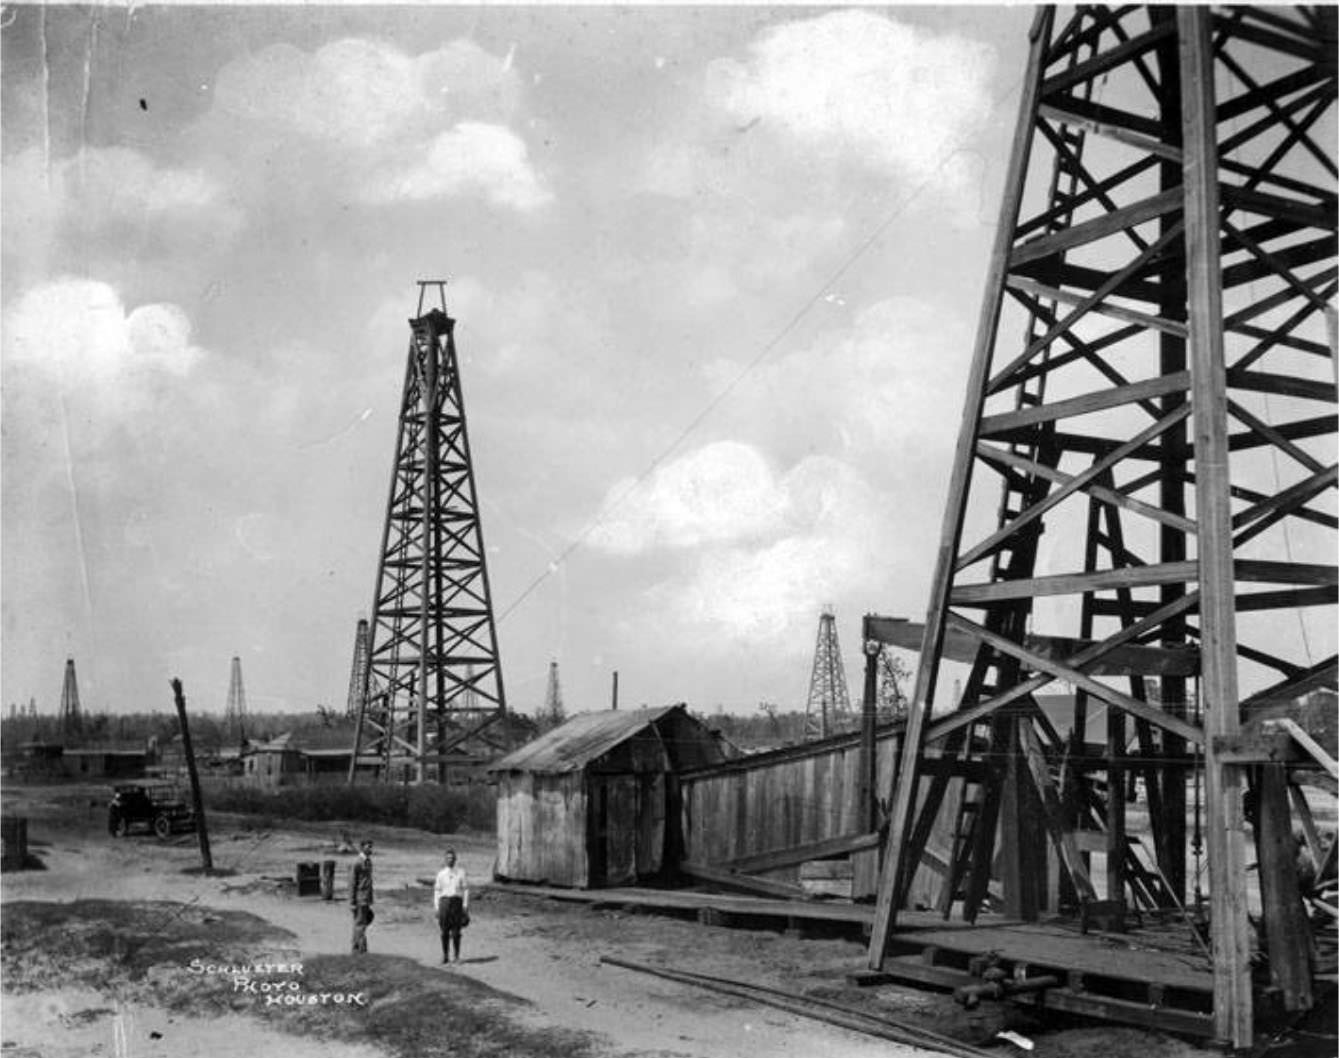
[{"x": 162, "y": 826}]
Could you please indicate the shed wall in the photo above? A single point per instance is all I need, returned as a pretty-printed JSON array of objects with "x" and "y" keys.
[{"x": 541, "y": 828}]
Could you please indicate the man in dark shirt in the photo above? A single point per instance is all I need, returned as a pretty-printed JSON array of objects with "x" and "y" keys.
[{"x": 360, "y": 896}]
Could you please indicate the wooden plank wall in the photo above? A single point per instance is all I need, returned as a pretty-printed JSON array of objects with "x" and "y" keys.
[
  {"x": 541, "y": 828},
  {"x": 778, "y": 801}
]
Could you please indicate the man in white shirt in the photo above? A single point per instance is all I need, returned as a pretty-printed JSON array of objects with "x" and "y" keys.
[{"x": 451, "y": 897}]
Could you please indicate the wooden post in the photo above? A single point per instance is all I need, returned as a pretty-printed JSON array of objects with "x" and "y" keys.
[
  {"x": 196, "y": 800},
  {"x": 1232, "y": 1009},
  {"x": 1288, "y": 935},
  {"x": 868, "y": 816},
  {"x": 614, "y": 692}
]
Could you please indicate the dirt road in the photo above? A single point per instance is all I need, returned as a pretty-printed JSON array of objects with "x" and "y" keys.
[{"x": 531, "y": 966}]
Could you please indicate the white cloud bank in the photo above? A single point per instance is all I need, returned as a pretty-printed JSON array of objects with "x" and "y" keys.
[
  {"x": 487, "y": 160},
  {"x": 78, "y": 332},
  {"x": 409, "y": 128},
  {"x": 857, "y": 83}
]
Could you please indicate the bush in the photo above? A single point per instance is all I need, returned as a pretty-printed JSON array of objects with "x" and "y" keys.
[{"x": 437, "y": 809}]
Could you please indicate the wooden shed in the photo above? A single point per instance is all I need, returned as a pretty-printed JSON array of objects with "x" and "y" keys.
[{"x": 596, "y": 801}]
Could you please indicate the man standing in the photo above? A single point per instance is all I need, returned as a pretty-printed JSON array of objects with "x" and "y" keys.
[
  {"x": 451, "y": 897},
  {"x": 360, "y": 896}
]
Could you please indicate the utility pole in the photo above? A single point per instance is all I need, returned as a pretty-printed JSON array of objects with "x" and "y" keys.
[{"x": 197, "y": 801}]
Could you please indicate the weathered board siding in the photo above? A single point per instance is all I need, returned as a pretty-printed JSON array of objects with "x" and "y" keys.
[
  {"x": 778, "y": 800},
  {"x": 541, "y": 825}
]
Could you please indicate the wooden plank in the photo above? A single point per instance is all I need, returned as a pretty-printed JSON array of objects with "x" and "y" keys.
[
  {"x": 1075, "y": 583},
  {"x": 1100, "y": 227},
  {"x": 1117, "y": 312},
  {"x": 1255, "y": 747},
  {"x": 1080, "y": 661},
  {"x": 688, "y": 900},
  {"x": 1061, "y": 837},
  {"x": 1072, "y": 483},
  {"x": 1287, "y": 933},
  {"x": 814, "y": 850},
  {"x": 1233, "y": 1015},
  {"x": 1099, "y": 400},
  {"x": 1283, "y": 572},
  {"x": 736, "y": 880},
  {"x": 1110, "y": 123},
  {"x": 1151, "y": 713},
  {"x": 1312, "y": 747},
  {"x": 903, "y": 794},
  {"x": 1108, "y": 59},
  {"x": 1123, "y": 660}
]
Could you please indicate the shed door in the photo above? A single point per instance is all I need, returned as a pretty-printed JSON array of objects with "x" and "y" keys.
[{"x": 616, "y": 830}]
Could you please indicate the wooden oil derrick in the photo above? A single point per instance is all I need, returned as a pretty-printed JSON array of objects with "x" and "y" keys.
[
  {"x": 234, "y": 715},
  {"x": 553, "y": 713},
  {"x": 828, "y": 709},
  {"x": 1152, "y": 400},
  {"x": 71, "y": 716},
  {"x": 358, "y": 685},
  {"x": 433, "y": 678}
]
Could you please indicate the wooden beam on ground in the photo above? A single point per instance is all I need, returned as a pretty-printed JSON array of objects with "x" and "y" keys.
[
  {"x": 734, "y": 880},
  {"x": 796, "y": 854}
]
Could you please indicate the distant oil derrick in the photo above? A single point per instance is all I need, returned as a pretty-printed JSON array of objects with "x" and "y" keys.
[
  {"x": 71, "y": 717},
  {"x": 433, "y": 678},
  {"x": 553, "y": 713},
  {"x": 828, "y": 709},
  {"x": 358, "y": 670},
  {"x": 234, "y": 716}
]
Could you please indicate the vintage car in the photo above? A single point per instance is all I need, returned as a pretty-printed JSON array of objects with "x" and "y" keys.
[{"x": 158, "y": 806}]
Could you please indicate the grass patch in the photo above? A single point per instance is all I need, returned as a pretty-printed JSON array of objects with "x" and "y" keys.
[
  {"x": 436, "y": 809},
  {"x": 146, "y": 951},
  {"x": 109, "y": 944},
  {"x": 422, "y": 1012}
]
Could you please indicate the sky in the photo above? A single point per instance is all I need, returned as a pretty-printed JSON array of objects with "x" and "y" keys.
[{"x": 715, "y": 270}]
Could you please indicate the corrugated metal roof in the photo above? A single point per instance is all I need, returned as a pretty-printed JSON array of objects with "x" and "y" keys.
[{"x": 581, "y": 740}]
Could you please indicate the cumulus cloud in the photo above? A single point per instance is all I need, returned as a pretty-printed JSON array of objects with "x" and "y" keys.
[
  {"x": 721, "y": 492},
  {"x": 860, "y": 84},
  {"x": 105, "y": 196},
  {"x": 359, "y": 93},
  {"x": 813, "y": 550},
  {"x": 884, "y": 393},
  {"x": 78, "y": 333},
  {"x": 473, "y": 158},
  {"x": 399, "y": 127}
]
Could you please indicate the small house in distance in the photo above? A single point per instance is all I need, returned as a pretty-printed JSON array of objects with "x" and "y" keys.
[{"x": 596, "y": 802}]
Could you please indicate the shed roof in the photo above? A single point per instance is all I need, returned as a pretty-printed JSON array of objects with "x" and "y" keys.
[{"x": 582, "y": 739}]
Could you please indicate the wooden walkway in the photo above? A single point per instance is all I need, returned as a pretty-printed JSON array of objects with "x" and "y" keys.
[{"x": 1155, "y": 977}]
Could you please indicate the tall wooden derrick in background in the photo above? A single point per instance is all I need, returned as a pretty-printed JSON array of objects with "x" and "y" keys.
[
  {"x": 71, "y": 715},
  {"x": 234, "y": 715},
  {"x": 1150, "y": 412},
  {"x": 827, "y": 709},
  {"x": 432, "y": 678}
]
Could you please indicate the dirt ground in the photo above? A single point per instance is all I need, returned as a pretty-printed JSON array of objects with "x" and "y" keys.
[{"x": 120, "y": 947}]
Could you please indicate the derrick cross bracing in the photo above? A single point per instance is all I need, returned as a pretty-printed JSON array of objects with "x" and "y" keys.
[
  {"x": 433, "y": 679},
  {"x": 1150, "y": 411}
]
